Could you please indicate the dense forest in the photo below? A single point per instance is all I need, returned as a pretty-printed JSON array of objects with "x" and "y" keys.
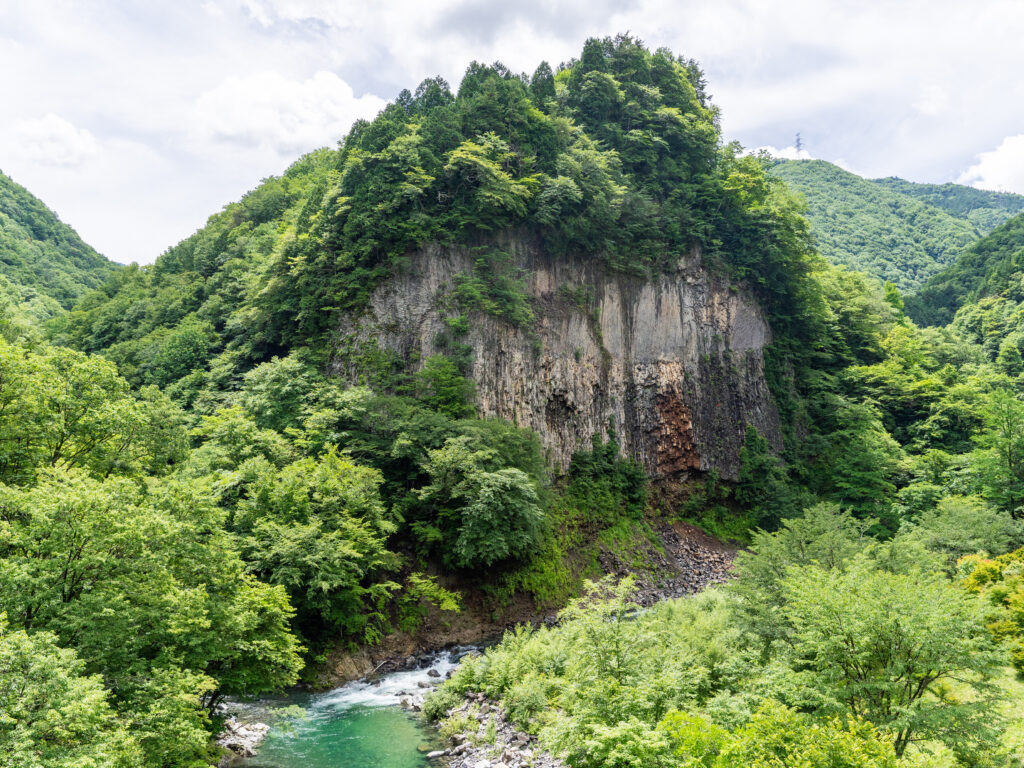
[
  {"x": 192, "y": 508},
  {"x": 44, "y": 265},
  {"x": 895, "y": 230},
  {"x": 989, "y": 269}
]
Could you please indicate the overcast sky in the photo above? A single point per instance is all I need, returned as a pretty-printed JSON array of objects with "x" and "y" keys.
[{"x": 137, "y": 119}]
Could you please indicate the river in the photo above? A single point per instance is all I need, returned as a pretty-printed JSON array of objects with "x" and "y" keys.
[{"x": 359, "y": 725}]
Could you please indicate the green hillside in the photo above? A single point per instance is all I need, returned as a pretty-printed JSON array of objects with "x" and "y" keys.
[
  {"x": 992, "y": 266},
  {"x": 193, "y": 507},
  {"x": 45, "y": 267},
  {"x": 983, "y": 208},
  {"x": 892, "y": 229},
  {"x": 617, "y": 158}
]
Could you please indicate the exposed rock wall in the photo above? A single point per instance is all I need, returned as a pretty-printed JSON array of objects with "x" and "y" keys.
[{"x": 674, "y": 364}]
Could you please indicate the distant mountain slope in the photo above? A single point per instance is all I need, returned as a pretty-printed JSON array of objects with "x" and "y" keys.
[
  {"x": 890, "y": 228},
  {"x": 983, "y": 208},
  {"x": 45, "y": 267},
  {"x": 992, "y": 266}
]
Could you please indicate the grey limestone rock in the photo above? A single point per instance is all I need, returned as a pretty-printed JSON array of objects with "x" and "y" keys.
[{"x": 674, "y": 364}]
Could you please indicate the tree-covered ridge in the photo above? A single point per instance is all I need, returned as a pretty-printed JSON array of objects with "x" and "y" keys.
[
  {"x": 982, "y": 207},
  {"x": 156, "y": 560},
  {"x": 992, "y": 266},
  {"x": 829, "y": 650},
  {"x": 893, "y": 230},
  {"x": 616, "y": 156},
  {"x": 44, "y": 265},
  {"x": 182, "y": 516}
]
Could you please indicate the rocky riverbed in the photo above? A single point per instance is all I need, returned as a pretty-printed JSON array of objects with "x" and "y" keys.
[
  {"x": 393, "y": 676},
  {"x": 241, "y": 739},
  {"x": 688, "y": 561},
  {"x": 488, "y": 740}
]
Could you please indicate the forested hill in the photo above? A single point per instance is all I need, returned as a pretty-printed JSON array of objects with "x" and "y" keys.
[
  {"x": 45, "y": 267},
  {"x": 992, "y": 267},
  {"x": 982, "y": 207},
  {"x": 206, "y": 488},
  {"x": 892, "y": 229},
  {"x": 616, "y": 159}
]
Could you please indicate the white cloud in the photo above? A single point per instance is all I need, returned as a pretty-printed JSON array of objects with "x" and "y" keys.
[
  {"x": 52, "y": 140},
  {"x": 270, "y": 111},
  {"x": 786, "y": 153},
  {"x": 1001, "y": 169},
  {"x": 870, "y": 83},
  {"x": 933, "y": 101}
]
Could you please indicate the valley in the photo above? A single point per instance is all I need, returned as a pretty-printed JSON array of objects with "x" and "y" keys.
[{"x": 716, "y": 460}]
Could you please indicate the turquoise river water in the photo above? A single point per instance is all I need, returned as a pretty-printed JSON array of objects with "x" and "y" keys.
[{"x": 360, "y": 725}]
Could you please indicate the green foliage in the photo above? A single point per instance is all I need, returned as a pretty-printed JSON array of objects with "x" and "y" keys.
[
  {"x": 421, "y": 593},
  {"x": 863, "y": 459},
  {"x": 874, "y": 396},
  {"x": 693, "y": 740},
  {"x": 999, "y": 583},
  {"x": 986, "y": 209},
  {"x": 494, "y": 288},
  {"x": 44, "y": 264},
  {"x": 887, "y": 647},
  {"x": 762, "y": 485},
  {"x": 1000, "y": 455},
  {"x": 127, "y": 564},
  {"x": 823, "y": 535},
  {"x": 991, "y": 266},
  {"x": 52, "y": 715},
  {"x": 443, "y": 388},
  {"x": 964, "y": 525},
  {"x": 24, "y": 310},
  {"x": 319, "y": 529},
  {"x": 274, "y": 393},
  {"x": 477, "y": 175},
  {"x": 604, "y": 485},
  {"x": 439, "y": 702},
  {"x": 143, "y": 585},
  {"x": 777, "y": 735},
  {"x": 61, "y": 408},
  {"x": 890, "y": 229},
  {"x": 711, "y": 507},
  {"x": 598, "y": 506},
  {"x": 483, "y": 518},
  {"x": 830, "y": 650}
]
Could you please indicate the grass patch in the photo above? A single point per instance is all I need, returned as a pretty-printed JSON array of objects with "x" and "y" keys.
[{"x": 633, "y": 542}]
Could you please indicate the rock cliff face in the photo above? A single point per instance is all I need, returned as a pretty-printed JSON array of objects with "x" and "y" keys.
[{"x": 674, "y": 365}]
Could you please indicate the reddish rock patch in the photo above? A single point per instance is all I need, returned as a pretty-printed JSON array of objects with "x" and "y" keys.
[{"x": 675, "y": 449}]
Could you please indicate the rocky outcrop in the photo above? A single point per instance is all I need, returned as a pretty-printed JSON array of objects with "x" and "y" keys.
[
  {"x": 241, "y": 739},
  {"x": 674, "y": 365},
  {"x": 489, "y": 740}
]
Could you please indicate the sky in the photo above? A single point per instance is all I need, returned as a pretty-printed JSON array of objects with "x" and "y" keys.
[{"x": 136, "y": 120}]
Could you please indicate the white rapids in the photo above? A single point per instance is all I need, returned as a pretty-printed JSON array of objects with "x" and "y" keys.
[{"x": 389, "y": 690}]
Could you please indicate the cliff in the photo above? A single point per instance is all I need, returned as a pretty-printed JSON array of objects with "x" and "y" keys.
[{"x": 675, "y": 365}]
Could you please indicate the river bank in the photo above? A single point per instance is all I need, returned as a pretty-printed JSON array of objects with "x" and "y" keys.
[
  {"x": 487, "y": 740},
  {"x": 402, "y": 670},
  {"x": 687, "y": 561},
  {"x": 354, "y": 724}
]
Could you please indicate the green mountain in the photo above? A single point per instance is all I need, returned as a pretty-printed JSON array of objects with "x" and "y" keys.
[
  {"x": 895, "y": 230},
  {"x": 992, "y": 266},
  {"x": 499, "y": 342},
  {"x": 45, "y": 267},
  {"x": 983, "y": 208},
  {"x": 613, "y": 160}
]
